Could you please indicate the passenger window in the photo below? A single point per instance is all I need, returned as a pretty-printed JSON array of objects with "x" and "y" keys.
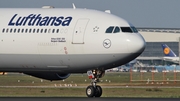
[
  {"x": 34, "y": 30},
  {"x": 30, "y": 30},
  {"x": 57, "y": 31},
  {"x": 11, "y": 30},
  {"x": 53, "y": 30},
  {"x": 37, "y": 30},
  {"x": 110, "y": 29},
  {"x": 41, "y": 30},
  {"x": 3, "y": 30},
  {"x": 49, "y": 31},
  {"x": 18, "y": 30},
  {"x": 126, "y": 29},
  {"x": 14, "y": 30},
  {"x": 26, "y": 30},
  {"x": 7, "y": 30},
  {"x": 116, "y": 30},
  {"x": 45, "y": 30},
  {"x": 22, "y": 30}
]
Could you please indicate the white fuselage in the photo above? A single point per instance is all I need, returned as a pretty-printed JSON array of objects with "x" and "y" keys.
[
  {"x": 172, "y": 59},
  {"x": 64, "y": 40}
]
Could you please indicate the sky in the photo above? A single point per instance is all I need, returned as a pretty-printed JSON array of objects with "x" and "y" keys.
[{"x": 141, "y": 13}]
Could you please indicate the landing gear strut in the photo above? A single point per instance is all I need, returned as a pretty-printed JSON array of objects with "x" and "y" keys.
[{"x": 94, "y": 90}]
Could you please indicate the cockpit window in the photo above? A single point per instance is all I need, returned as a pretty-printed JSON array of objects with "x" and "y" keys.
[
  {"x": 129, "y": 29},
  {"x": 134, "y": 29},
  {"x": 116, "y": 30},
  {"x": 126, "y": 29},
  {"x": 110, "y": 29},
  {"x": 113, "y": 29}
]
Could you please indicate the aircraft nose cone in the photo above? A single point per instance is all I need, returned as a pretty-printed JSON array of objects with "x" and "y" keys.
[{"x": 136, "y": 43}]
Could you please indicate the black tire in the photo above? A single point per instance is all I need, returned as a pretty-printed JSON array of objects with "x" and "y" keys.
[
  {"x": 98, "y": 91},
  {"x": 90, "y": 91}
]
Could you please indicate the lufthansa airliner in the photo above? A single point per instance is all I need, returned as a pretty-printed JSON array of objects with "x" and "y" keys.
[{"x": 52, "y": 43}]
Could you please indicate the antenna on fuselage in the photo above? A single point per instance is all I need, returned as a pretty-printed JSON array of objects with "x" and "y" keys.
[
  {"x": 108, "y": 11},
  {"x": 74, "y": 7},
  {"x": 48, "y": 7}
]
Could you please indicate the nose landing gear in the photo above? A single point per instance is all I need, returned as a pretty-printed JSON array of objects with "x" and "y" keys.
[{"x": 94, "y": 90}]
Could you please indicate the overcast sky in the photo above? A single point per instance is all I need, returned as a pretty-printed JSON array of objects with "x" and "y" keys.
[{"x": 141, "y": 13}]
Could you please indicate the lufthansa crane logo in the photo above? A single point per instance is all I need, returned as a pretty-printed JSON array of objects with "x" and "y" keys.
[
  {"x": 107, "y": 43},
  {"x": 166, "y": 51}
]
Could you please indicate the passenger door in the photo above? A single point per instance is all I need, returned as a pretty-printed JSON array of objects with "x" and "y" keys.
[{"x": 79, "y": 31}]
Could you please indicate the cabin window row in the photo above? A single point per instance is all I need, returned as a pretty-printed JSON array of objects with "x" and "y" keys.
[{"x": 31, "y": 30}]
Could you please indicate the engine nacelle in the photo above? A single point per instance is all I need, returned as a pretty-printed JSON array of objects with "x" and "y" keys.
[{"x": 49, "y": 76}]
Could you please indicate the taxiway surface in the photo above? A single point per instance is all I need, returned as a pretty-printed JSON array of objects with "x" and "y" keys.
[{"x": 89, "y": 99}]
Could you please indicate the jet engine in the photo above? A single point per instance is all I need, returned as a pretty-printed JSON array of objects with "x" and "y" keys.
[{"x": 49, "y": 76}]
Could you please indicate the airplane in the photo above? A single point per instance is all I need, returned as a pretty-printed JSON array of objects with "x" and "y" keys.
[
  {"x": 52, "y": 43},
  {"x": 169, "y": 54}
]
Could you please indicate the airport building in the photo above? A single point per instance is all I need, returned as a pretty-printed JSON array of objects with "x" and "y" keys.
[{"x": 154, "y": 37}]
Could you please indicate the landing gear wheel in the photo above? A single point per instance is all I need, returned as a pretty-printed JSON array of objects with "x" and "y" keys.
[
  {"x": 94, "y": 90},
  {"x": 90, "y": 91},
  {"x": 98, "y": 91}
]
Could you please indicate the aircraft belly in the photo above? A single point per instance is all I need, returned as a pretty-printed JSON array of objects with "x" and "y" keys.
[
  {"x": 61, "y": 63},
  {"x": 104, "y": 61},
  {"x": 20, "y": 61}
]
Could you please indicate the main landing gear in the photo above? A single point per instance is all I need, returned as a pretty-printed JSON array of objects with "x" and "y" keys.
[{"x": 94, "y": 90}]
